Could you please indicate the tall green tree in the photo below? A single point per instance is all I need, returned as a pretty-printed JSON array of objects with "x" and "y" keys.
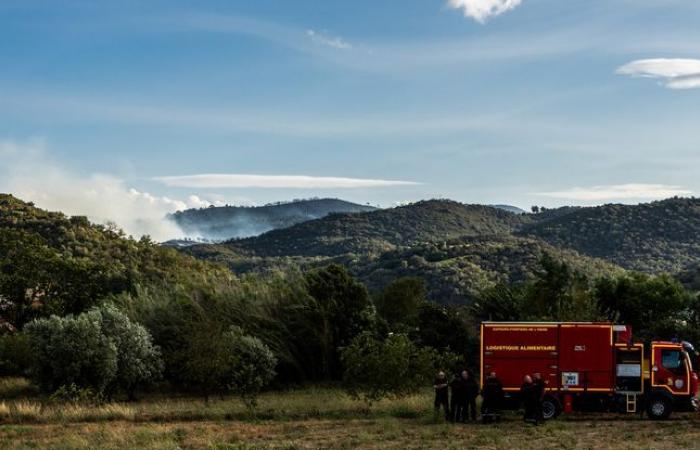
[
  {"x": 655, "y": 306},
  {"x": 400, "y": 301},
  {"x": 342, "y": 309}
]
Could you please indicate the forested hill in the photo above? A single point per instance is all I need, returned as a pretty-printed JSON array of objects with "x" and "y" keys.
[
  {"x": 227, "y": 222},
  {"x": 662, "y": 236},
  {"x": 52, "y": 263},
  {"x": 381, "y": 230}
]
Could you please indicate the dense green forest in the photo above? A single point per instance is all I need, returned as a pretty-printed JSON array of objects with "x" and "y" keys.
[{"x": 87, "y": 310}]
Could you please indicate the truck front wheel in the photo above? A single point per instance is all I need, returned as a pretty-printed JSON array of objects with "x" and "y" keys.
[
  {"x": 659, "y": 408},
  {"x": 551, "y": 408}
]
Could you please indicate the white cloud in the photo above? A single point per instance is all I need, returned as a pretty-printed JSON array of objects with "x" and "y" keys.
[
  {"x": 233, "y": 180},
  {"x": 28, "y": 173},
  {"x": 631, "y": 191},
  {"x": 322, "y": 38},
  {"x": 482, "y": 10},
  {"x": 673, "y": 73}
]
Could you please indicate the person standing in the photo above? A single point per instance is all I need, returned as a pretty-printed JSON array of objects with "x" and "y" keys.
[
  {"x": 540, "y": 388},
  {"x": 459, "y": 397},
  {"x": 472, "y": 392},
  {"x": 528, "y": 395},
  {"x": 492, "y": 398},
  {"x": 441, "y": 386}
]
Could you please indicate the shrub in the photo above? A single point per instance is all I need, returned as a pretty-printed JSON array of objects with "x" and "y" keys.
[
  {"x": 100, "y": 350},
  {"x": 72, "y": 350},
  {"x": 229, "y": 362},
  {"x": 394, "y": 367}
]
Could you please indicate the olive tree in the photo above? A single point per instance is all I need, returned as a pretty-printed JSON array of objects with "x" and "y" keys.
[
  {"x": 101, "y": 350},
  {"x": 393, "y": 367},
  {"x": 252, "y": 365},
  {"x": 71, "y": 350},
  {"x": 228, "y": 362},
  {"x": 139, "y": 360}
]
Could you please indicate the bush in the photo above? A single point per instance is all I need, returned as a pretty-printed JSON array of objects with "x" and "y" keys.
[
  {"x": 98, "y": 350},
  {"x": 231, "y": 361},
  {"x": 394, "y": 367},
  {"x": 252, "y": 366},
  {"x": 71, "y": 350},
  {"x": 139, "y": 361}
]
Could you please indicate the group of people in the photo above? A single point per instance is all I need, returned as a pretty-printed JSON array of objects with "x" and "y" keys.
[{"x": 457, "y": 397}]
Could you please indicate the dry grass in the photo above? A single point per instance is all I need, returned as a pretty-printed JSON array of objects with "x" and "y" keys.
[
  {"x": 390, "y": 433},
  {"x": 314, "y": 418}
]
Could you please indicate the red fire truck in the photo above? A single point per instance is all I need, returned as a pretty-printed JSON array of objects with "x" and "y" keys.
[{"x": 590, "y": 366}]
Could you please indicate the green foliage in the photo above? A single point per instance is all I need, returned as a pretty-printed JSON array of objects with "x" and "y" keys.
[
  {"x": 76, "y": 395},
  {"x": 52, "y": 264},
  {"x": 450, "y": 331},
  {"x": 15, "y": 354},
  {"x": 252, "y": 367},
  {"x": 72, "y": 350},
  {"x": 394, "y": 367},
  {"x": 654, "y": 306},
  {"x": 400, "y": 301},
  {"x": 99, "y": 350},
  {"x": 554, "y": 293},
  {"x": 139, "y": 361},
  {"x": 342, "y": 309},
  {"x": 230, "y": 361}
]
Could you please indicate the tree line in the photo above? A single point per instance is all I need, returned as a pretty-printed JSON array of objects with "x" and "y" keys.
[{"x": 241, "y": 336}]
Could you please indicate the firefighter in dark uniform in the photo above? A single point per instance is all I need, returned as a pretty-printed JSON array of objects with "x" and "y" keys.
[
  {"x": 492, "y": 398},
  {"x": 459, "y": 397},
  {"x": 441, "y": 386},
  {"x": 472, "y": 392},
  {"x": 540, "y": 387},
  {"x": 528, "y": 395}
]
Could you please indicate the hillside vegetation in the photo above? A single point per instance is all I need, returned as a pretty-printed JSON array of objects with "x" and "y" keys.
[
  {"x": 654, "y": 237},
  {"x": 54, "y": 264},
  {"x": 382, "y": 230},
  {"x": 227, "y": 222}
]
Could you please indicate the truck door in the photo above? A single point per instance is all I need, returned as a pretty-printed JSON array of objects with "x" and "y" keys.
[{"x": 669, "y": 369}]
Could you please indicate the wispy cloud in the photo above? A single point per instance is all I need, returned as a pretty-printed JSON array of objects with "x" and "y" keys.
[
  {"x": 323, "y": 38},
  {"x": 673, "y": 73},
  {"x": 274, "y": 181},
  {"x": 482, "y": 10},
  {"x": 631, "y": 191}
]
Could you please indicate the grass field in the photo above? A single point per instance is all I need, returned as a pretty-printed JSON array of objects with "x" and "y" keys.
[{"x": 309, "y": 418}]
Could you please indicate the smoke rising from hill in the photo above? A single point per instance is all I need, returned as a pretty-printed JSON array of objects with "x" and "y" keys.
[{"x": 29, "y": 173}]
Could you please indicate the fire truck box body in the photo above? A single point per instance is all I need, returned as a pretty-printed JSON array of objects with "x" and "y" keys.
[{"x": 587, "y": 361}]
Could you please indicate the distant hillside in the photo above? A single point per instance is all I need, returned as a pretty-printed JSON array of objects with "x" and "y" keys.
[
  {"x": 381, "y": 230},
  {"x": 662, "y": 236},
  {"x": 227, "y": 222}
]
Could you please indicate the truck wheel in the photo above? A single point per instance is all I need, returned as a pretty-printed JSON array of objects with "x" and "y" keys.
[
  {"x": 659, "y": 408},
  {"x": 551, "y": 408}
]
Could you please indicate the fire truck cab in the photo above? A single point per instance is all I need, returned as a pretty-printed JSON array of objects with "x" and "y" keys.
[{"x": 591, "y": 367}]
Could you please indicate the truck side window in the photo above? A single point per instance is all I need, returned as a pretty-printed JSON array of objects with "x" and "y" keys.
[{"x": 671, "y": 359}]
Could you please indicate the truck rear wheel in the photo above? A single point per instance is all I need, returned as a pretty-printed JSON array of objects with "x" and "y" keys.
[
  {"x": 551, "y": 408},
  {"x": 659, "y": 408}
]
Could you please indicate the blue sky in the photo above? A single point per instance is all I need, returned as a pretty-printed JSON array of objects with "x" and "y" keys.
[{"x": 525, "y": 102}]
